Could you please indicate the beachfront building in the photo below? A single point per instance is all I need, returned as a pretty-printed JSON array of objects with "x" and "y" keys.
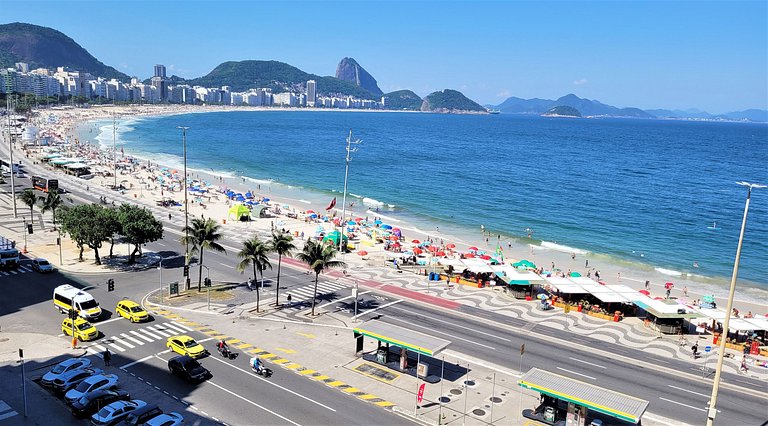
[
  {"x": 285, "y": 99},
  {"x": 181, "y": 94},
  {"x": 311, "y": 93}
]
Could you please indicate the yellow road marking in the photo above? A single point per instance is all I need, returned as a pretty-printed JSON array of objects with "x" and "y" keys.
[
  {"x": 306, "y": 371},
  {"x": 367, "y": 396},
  {"x": 202, "y": 328},
  {"x": 335, "y": 383},
  {"x": 244, "y": 345},
  {"x": 268, "y": 356},
  {"x": 293, "y": 366},
  {"x": 321, "y": 377},
  {"x": 255, "y": 350},
  {"x": 384, "y": 404},
  {"x": 307, "y": 335},
  {"x": 288, "y": 351},
  {"x": 351, "y": 390},
  {"x": 231, "y": 341},
  {"x": 281, "y": 361}
]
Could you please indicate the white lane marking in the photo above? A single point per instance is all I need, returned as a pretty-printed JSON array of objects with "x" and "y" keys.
[
  {"x": 440, "y": 332},
  {"x": 154, "y": 329},
  {"x": 140, "y": 336},
  {"x": 684, "y": 405},
  {"x": 376, "y": 309},
  {"x": 474, "y": 361},
  {"x": 132, "y": 339},
  {"x": 205, "y": 340},
  {"x": 250, "y": 402},
  {"x": 343, "y": 298},
  {"x": 119, "y": 348},
  {"x": 587, "y": 362},
  {"x": 184, "y": 327},
  {"x": 8, "y": 415},
  {"x": 454, "y": 324},
  {"x": 116, "y": 318},
  {"x": 174, "y": 329},
  {"x": 151, "y": 334},
  {"x": 578, "y": 374},
  {"x": 130, "y": 364},
  {"x": 274, "y": 384},
  {"x": 689, "y": 391},
  {"x": 116, "y": 339},
  {"x": 99, "y": 347}
]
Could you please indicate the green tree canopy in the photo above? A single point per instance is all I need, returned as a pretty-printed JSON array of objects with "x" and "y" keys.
[
  {"x": 51, "y": 202},
  {"x": 138, "y": 226},
  {"x": 87, "y": 224},
  {"x": 202, "y": 234},
  {"x": 255, "y": 253},
  {"x": 29, "y": 198},
  {"x": 319, "y": 257}
]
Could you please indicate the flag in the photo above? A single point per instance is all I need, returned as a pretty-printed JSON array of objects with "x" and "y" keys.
[{"x": 332, "y": 205}]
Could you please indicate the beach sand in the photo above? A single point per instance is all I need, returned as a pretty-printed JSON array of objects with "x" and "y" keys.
[{"x": 142, "y": 187}]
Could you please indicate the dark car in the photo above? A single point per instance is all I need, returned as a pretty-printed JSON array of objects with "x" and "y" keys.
[
  {"x": 95, "y": 401},
  {"x": 188, "y": 368},
  {"x": 141, "y": 415}
]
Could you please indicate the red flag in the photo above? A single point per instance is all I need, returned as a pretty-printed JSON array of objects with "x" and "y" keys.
[{"x": 332, "y": 205}]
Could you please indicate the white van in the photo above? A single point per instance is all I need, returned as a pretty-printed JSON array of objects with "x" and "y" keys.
[{"x": 66, "y": 297}]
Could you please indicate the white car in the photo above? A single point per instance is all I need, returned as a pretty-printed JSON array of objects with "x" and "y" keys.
[
  {"x": 64, "y": 367},
  {"x": 41, "y": 265},
  {"x": 168, "y": 419},
  {"x": 93, "y": 383},
  {"x": 115, "y": 412}
]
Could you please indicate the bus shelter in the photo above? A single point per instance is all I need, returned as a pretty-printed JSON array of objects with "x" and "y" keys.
[
  {"x": 407, "y": 340},
  {"x": 567, "y": 401}
]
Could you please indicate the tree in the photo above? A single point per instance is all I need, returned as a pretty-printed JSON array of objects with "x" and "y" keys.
[
  {"x": 51, "y": 202},
  {"x": 202, "y": 234},
  {"x": 319, "y": 257},
  {"x": 87, "y": 224},
  {"x": 138, "y": 226},
  {"x": 282, "y": 244},
  {"x": 254, "y": 253},
  {"x": 29, "y": 198},
  {"x": 112, "y": 222}
]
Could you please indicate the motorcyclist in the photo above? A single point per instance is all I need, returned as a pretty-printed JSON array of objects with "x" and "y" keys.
[
  {"x": 257, "y": 365},
  {"x": 223, "y": 347}
]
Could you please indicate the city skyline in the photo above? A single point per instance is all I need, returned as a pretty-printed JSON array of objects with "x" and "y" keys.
[{"x": 646, "y": 55}]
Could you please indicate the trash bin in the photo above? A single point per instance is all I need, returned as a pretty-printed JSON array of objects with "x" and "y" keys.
[
  {"x": 715, "y": 338},
  {"x": 581, "y": 307}
]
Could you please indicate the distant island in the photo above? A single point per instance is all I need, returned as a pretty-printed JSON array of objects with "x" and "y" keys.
[{"x": 562, "y": 111}]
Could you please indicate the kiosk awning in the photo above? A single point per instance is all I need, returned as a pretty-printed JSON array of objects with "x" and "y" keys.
[
  {"x": 403, "y": 337},
  {"x": 664, "y": 308},
  {"x": 614, "y": 404}
]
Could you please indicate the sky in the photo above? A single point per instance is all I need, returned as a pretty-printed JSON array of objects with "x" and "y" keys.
[{"x": 709, "y": 55}]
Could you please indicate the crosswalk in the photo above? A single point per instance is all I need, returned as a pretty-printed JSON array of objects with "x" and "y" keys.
[
  {"x": 20, "y": 270},
  {"x": 6, "y": 411},
  {"x": 122, "y": 342},
  {"x": 305, "y": 293}
]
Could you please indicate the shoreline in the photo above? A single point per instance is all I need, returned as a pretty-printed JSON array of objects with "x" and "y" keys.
[{"x": 613, "y": 270}]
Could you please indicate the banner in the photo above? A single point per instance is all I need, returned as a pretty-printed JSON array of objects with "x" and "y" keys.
[{"x": 332, "y": 205}]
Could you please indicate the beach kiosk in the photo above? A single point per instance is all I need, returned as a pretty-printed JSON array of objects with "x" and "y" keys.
[
  {"x": 665, "y": 315},
  {"x": 400, "y": 338},
  {"x": 569, "y": 402}
]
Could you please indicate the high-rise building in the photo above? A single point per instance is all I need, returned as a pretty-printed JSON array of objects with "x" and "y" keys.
[
  {"x": 160, "y": 71},
  {"x": 311, "y": 93}
]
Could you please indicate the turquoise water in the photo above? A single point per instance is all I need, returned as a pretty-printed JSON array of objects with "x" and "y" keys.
[{"x": 642, "y": 191}]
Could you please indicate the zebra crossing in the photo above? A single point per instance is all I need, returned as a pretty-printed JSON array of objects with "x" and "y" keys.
[
  {"x": 305, "y": 293},
  {"x": 6, "y": 411},
  {"x": 122, "y": 342},
  {"x": 20, "y": 270}
]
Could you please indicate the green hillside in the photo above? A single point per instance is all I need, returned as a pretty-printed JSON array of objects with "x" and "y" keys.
[
  {"x": 43, "y": 47},
  {"x": 278, "y": 76},
  {"x": 450, "y": 100},
  {"x": 403, "y": 99},
  {"x": 563, "y": 111}
]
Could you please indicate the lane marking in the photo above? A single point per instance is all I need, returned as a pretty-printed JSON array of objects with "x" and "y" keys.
[
  {"x": 250, "y": 402},
  {"x": 174, "y": 329},
  {"x": 116, "y": 318},
  {"x": 140, "y": 336},
  {"x": 454, "y": 324},
  {"x": 183, "y": 327},
  {"x": 119, "y": 348},
  {"x": 587, "y": 362},
  {"x": 150, "y": 334},
  {"x": 116, "y": 339},
  {"x": 376, "y": 309},
  {"x": 440, "y": 332},
  {"x": 684, "y": 405},
  {"x": 159, "y": 331},
  {"x": 689, "y": 391},
  {"x": 578, "y": 374},
  {"x": 274, "y": 384},
  {"x": 131, "y": 364},
  {"x": 344, "y": 298},
  {"x": 132, "y": 339}
]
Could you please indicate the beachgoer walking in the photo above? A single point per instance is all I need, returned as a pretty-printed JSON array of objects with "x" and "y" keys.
[
  {"x": 744, "y": 364},
  {"x": 668, "y": 292},
  {"x": 586, "y": 263},
  {"x": 597, "y": 275},
  {"x": 107, "y": 357},
  {"x": 573, "y": 256},
  {"x": 169, "y": 216},
  {"x": 695, "y": 350},
  {"x": 618, "y": 276},
  {"x": 685, "y": 291}
]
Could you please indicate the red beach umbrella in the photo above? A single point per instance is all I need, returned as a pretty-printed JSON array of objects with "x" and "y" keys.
[
  {"x": 669, "y": 286},
  {"x": 440, "y": 253},
  {"x": 416, "y": 241},
  {"x": 417, "y": 251},
  {"x": 469, "y": 255},
  {"x": 645, "y": 292},
  {"x": 451, "y": 246},
  {"x": 310, "y": 211},
  {"x": 362, "y": 253},
  {"x": 485, "y": 257},
  {"x": 393, "y": 237},
  {"x": 432, "y": 248},
  {"x": 473, "y": 248}
]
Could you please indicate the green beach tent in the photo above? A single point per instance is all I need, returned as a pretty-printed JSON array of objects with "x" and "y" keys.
[
  {"x": 238, "y": 211},
  {"x": 334, "y": 237}
]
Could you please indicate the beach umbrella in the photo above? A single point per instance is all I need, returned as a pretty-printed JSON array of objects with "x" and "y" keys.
[
  {"x": 426, "y": 244},
  {"x": 396, "y": 244},
  {"x": 385, "y": 226},
  {"x": 485, "y": 257},
  {"x": 358, "y": 219},
  {"x": 395, "y": 229},
  {"x": 669, "y": 286},
  {"x": 645, "y": 292},
  {"x": 351, "y": 223},
  {"x": 393, "y": 237},
  {"x": 310, "y": 211},
  {"x": 418, "y": 251},
  {"x": 451, "y": 246},
  {"x": 397, "y": 232},
  {"x": 469, "y": 255},
  {"x": 377, "y": 222},
  {"x": 362, "y": 253},
  {"x": 440, "y": 253},
  {"x": 432, "y": 248},
  {"x": 575, "y": 274},
  {"x": 473, "y": 248},
  {"x": 416, "y": 241},
  {"x": 313, "y": 216}
]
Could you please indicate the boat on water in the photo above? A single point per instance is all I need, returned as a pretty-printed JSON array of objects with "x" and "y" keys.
[
  {"x": 494, "y": 111},
  {"x": 714, "y": 227}
]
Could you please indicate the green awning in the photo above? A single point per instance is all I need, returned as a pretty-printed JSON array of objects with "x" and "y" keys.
[
  {"x": 402, "y": 337},
  {"x": 519, "y": 282}
]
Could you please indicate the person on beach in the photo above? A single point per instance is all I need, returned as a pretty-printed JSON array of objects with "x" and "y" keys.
[
  {"x": 744, "y": 364},
  {"x": 685, "y": 291},
  {"x": 647, "y": 284},
  {"x": 695, "y": 350}
]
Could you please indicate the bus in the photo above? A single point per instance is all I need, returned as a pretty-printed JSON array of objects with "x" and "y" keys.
[
  {"x": 9, "y": 254},
  {"x": 45, "y": 185}
]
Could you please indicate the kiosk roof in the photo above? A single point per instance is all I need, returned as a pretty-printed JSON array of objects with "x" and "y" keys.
[{"x": 403, "y": 337}]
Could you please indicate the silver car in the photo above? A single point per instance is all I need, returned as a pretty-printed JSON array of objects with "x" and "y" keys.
[
  {"x": 93, "y": 383},
  {"x": 63, "y": 367},
  {"x": 167, "y": 419},
  {"x": 115, "y": 412},
  {"x": 70, "y": 379},
  {"x": 41, "y": 265}
]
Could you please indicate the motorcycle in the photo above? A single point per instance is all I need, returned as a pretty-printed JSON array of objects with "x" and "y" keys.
[
  {"x": 263, "y": 371},
  {"x": 226, "y": 353}
]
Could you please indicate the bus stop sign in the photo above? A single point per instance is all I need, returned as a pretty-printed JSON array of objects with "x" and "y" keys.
[{"x": 707, "y": 348}]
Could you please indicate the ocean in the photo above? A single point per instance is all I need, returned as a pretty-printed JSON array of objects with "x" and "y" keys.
[{"x": 641, "y": 193}]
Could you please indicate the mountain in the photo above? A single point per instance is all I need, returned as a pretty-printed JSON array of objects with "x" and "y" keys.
[
  {"x": 448, "y": 101},
  {"x": 587, "y": 107},
  {"x": 349, "y": 70},
  {"x": 278, "y": 76},
  {"x": 689, "y": 113},
  {"x": 43, "y": 47},
  {"x": 403, "y": 99},
  {"x": 759, "y": 115},
  {"x": 562, "y": 111}
]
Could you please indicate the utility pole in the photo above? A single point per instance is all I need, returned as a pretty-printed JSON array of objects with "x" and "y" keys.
[
  {"x": 350, "y": 150},
  {"x": 10, "y": 150},
  {"x": 186, "y": 205},
  {"x": 114, "y": 148}
]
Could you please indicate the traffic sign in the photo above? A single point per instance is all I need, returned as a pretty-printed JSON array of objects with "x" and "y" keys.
[
  {"x": 420, "y": 396},
  {"x": 707, "y": 348}
]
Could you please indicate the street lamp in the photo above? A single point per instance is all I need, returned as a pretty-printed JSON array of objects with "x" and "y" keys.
[
  {"x": 10, "y": 150},
  {"x": 114, "y": 148},
  {"x": 160, "y": 268},
  {"x": 343, "y": 221},
  {"x": 712, "y": 411},
  {"x": 25, "y": 234},
  {"x": 186, "y": 205}
]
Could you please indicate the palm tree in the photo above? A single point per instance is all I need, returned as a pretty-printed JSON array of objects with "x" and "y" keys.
[
  {"x": 202, "y": 234},
  {"x": 51, "y": 202},
  {"x": 282, "y": 244},
  {"x": 29, "y": 198},
  {"x": 254, "y": 253},
  {"x": 319, "y": 257}
]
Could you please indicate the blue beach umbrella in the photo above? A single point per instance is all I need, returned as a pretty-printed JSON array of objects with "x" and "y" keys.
[
  {"x": 377, "y": 222},
  {"x": 385, "y": 226}
]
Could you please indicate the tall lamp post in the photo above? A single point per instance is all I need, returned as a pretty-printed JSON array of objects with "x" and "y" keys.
[
  {"x": 350, "y": 150},
  {"x": 712, "y": 411},
  {"x": 114, "y": 148},
  {"x": 186, "y": 205},
  {"x": 10, "y": 150}
]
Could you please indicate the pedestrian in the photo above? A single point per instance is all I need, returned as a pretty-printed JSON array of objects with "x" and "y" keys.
[
  {"x": 744, "y": 364},
  {"x": 668, "y": 292},
  {"x": 289, "y": 297},
  {"x": 695, "y": 350},
  {"x": 586, "y": 263},
  {"x": 685, "y": 291},
  {"x": 618, "y": 276},
  {"x": 647, "y": 284},
  {"x": 107, "y": 357},
  {"x": 169, "y": 216},
  {"x": 573, "y": 256}
]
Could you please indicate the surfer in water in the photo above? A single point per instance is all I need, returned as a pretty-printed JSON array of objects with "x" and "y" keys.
[{"x": 695, "y": 264}]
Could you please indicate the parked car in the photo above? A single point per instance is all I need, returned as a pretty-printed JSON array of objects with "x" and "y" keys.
[
  {"x": 185, "y": 345},
  {"x": 169, "y": 419},
  {"x": 84, "y": 331},
  {"x": 131, "y": 311},
  {"x": 41, "y": 265},
  {"x": 115, "y": 412},
  {"x": 63, "y": 367},
  {"x": 91, "y": 384},
  {"x": 188, "y": 368},
  {"x": 70, "y": 379},
  {"x": 142, "y": 415},
  {"x": 94, "y": 401}
]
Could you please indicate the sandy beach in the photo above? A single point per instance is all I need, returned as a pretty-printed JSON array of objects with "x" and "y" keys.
[{"x": 145, "y": 182}]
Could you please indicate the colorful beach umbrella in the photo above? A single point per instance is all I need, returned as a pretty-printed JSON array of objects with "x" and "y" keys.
[
  {"x": 451, "y": 246},
  {"x": 473, "y": 248},
  {"x": 362, "y": 253},
  {"x": 645, "y": 292},
  {"x": 440, "y": 253},
  {"x": 416, "y": 241}
]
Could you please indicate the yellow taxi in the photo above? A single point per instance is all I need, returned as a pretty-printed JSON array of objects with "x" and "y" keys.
[
  {"x": 185, "y": 345},
  {"x": 84, "y": 331},
  {"x": 131, "y": 311}
]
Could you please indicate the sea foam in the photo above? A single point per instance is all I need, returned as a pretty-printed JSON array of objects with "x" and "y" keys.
[{"x": 560, "y": 247}]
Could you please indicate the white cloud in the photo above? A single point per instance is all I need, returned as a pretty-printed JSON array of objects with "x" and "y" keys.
[
  {"x": 580, "y": 81},
  {"x": 504, "y": 94}
]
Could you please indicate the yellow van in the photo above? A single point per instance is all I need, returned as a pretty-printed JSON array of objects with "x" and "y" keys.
[{"x": 66, "y": 297}]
